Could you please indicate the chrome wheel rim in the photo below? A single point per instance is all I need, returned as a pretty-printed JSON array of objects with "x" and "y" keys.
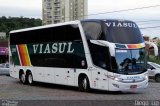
[
  {"x": 23, "y": 78},
  {"x": 30, "y": 79}
]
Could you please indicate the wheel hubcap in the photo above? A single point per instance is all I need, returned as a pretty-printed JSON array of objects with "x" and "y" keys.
[
  {"x": 23, "y": 78},
  {"x": 30, "y": 79}
]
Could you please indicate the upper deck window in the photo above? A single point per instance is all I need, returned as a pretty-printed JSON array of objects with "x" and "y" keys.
[{"x": 92, "y": 30}]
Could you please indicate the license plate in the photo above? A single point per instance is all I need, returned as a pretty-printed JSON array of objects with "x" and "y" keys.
[{"x": 133, "y": 86}]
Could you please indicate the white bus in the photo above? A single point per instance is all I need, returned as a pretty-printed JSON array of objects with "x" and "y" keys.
[{"x": 89, "y": 54}]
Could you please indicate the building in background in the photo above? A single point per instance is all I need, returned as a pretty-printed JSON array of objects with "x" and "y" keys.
[
  {"x": 155, "y": 40},
  {"x": 3, "y": 51},
  {"x": 150, "y": 48},
  {"x": 146, "y": 38},
  {"x": 3, "y": 48},
  {"x": 56, "y": 11}
]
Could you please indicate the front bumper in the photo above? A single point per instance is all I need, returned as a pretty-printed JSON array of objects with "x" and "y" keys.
[{"x": 127, "y": 87}]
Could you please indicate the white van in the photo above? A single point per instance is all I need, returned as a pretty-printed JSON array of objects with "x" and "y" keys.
[{"x": 154, "y": 71}]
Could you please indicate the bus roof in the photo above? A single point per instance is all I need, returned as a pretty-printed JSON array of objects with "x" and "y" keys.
[
  {"x": 45, "y": 26},
  {"x": 66, "y": 23},
  {"x": 98, "y": 20}
]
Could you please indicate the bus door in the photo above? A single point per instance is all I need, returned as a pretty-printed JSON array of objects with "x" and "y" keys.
[
  {"x": 95, "y": 78},
  {"x": 99, "y": 78},
  {"x": 102, "y": 79}
]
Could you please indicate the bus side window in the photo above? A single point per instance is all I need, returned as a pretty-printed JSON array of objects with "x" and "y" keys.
[
  {"x": 114, "y": 64},
  {"x": 100, "y": 55},
  {"x": 70, "y": 34}
]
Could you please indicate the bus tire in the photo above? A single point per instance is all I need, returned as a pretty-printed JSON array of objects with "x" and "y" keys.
[
  {"x": 22, "y": 78},
  {"x": 83, "y": 83},
  {"x": 30, "y": 78},
  {"x": 157, "y": 78}
]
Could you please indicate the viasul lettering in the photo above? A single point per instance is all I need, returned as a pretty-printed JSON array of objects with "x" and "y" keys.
[
  {"x": 53, "y": 48},
  {"x": 121, "y": 24}
]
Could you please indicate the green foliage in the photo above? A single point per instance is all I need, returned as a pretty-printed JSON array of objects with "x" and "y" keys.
[
  {"x": 158, "y": 44},
  {"x": 14, "y": 23},
  {"x": 154, "y": 59}
]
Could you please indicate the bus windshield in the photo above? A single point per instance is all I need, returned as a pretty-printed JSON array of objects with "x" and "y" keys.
[
  {"x": 130, "y": 62},
  {"x": 124, "y": 32}
]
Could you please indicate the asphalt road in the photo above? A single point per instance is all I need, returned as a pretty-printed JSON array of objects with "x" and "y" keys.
[{"x": 12, "y": 92}]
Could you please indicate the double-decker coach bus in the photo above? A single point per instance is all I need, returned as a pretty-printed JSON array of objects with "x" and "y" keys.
[{"x": 98, "y": 54}]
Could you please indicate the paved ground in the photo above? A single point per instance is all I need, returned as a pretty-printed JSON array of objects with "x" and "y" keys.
[{"x": 12, "y": 89}]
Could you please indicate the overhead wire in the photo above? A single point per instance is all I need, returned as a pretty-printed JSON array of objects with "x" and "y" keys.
[
  {"x": 125, "y": 10},
  {"x": 131, "y": 9},
  {"x": 150, "y": 27}
]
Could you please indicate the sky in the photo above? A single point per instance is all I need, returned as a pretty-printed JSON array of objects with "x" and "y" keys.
[{"x": 33, "y": 8}]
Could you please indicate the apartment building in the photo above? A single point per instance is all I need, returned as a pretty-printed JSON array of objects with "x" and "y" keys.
[{"x": 56, "y": 11}]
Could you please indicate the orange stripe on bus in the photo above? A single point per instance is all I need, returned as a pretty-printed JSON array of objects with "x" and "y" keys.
[
  {"x": 24, "y": 55},
  {"x": 20, "y": 49}
]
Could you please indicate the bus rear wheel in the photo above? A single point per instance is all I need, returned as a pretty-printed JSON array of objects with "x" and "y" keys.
[
  {"x": 30, "y": 78},
  {"x": 22, "y": 78},
  {"x": 83, "y": 84}
]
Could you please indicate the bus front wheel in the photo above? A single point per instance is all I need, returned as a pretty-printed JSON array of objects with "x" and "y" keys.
[{"x": 83, "y": 84}]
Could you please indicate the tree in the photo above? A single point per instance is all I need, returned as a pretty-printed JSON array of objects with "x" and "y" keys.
[
  {"x": 14, "y": 23},
  {"x": 158, "y": 44}
]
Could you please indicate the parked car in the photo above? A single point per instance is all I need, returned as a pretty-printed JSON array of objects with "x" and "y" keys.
[
  {"x": 4, "y": 69},
  {"x": 154, "y": 71}
]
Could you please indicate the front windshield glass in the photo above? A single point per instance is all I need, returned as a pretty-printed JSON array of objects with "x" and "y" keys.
[
  {"x": 130, "y": 61},
  {"x": 124, "y": 32}
]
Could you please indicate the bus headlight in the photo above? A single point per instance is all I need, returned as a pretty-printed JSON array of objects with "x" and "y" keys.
[
  {"x": 146, "y": 77},
  {"x": 114, "y": 78},
  {"x": 118, "y": 79}
]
